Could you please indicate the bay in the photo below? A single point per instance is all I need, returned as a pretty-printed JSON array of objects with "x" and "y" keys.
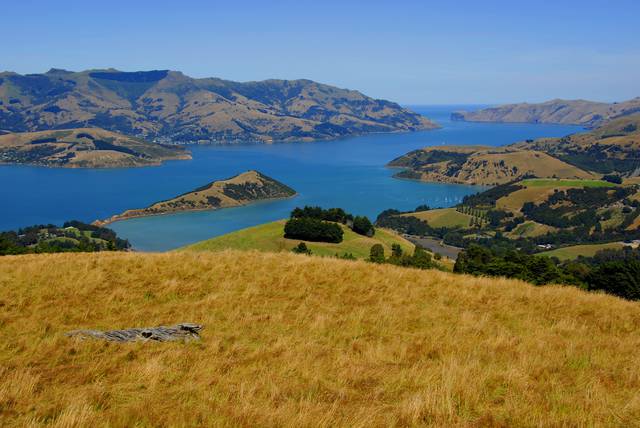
[{"x": 348, "y": 173}]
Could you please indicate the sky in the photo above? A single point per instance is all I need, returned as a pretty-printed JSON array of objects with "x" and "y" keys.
[{"x": 411, "y": 52}]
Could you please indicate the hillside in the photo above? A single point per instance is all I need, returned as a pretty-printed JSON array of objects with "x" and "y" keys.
[
  {"x": 614, "y": 146},
  {"x": 481, "y": 165},
  {"x": 610, "y": 148},
  {"x": 270, "y": 237},
  {"x": 242, "y": 189},
  {"x": 569, "y": 112},
  {"x": 169, "y": 106},
  {"x": 291, "y": 340},
  {"x": 84, "y": 148}
]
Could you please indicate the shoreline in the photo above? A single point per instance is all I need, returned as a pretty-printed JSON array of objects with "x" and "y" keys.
[{"x": 122, "y": 217}]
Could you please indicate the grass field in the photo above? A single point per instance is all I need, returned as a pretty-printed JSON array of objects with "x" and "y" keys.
[
  {"x": 443, "y": 217},
  {"x": 551, "y": 182},
  {"x": 530, "y": 229},
  {"x": 270, "y": 237},
  {"x": 537, "y": 190},
  {"x": 570, "y": 253},
  {"x": 300, "y": 341}
]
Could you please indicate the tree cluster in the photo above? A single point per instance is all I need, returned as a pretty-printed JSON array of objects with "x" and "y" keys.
[
  {"x": 420, "y": 258},
  {"x": 359, "y": 224},
  {"x": 313, "y": 229}
]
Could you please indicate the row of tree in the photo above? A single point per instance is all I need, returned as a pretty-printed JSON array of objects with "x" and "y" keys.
[{"x": 615, "y": 271}]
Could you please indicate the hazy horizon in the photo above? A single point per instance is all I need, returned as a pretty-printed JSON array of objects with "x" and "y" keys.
[{"x": 409, "y": 52}]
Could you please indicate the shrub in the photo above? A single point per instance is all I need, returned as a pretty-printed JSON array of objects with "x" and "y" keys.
[
  {"x": 362, "y": 226},
  {"x": 311, "y": 229},
  {"x": 376, "y": 254},
  {"x": 302, "y": 249},
  {"x": 613, "y": 178}
]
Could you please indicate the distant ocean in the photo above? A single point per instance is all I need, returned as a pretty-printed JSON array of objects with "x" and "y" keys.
[{"x": 348, "y": 173}]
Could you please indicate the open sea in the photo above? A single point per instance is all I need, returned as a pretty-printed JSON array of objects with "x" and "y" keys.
[{"x": 348, "y": 173}]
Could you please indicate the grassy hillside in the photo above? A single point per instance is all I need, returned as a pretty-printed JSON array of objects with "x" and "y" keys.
[
  {"x": 270, "y": 237},
  {"x": 482, "y": 165},
  {"x": 84, "y": 148},
  {"x": 538, "y": 190},
  {"x": 443, "y": 217},
  {"x": 305, "y": 341},
  {"x": 612, "y": 147},
  {"x": 572, "y": 252}
]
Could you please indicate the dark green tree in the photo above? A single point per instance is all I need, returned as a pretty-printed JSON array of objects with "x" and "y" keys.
[
  {"x": 376, "y": 254},
  {"x": 302, "y": 248}
]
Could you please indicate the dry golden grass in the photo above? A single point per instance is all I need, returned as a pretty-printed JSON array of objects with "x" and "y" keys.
[
  {"x": 442, "y": 217},
  {"x": 292, "y": 340}
]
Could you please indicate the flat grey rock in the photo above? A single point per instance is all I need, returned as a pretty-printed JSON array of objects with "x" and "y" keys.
[{"x": 179, "y": 332}]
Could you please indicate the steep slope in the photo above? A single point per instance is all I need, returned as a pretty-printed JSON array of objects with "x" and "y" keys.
[
  {"x": 301, "y": 341},
  {"x": 84, "y": 148},
  {"x": 250, "y": 186},
  {"x": 481, "y": 165},
  {"x": 575, "y": 112},
  {"x": 167, "y": 105}
]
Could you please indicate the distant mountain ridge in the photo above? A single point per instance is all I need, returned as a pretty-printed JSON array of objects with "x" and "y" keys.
[
  {"x": 568, "y": 112},
  {"x": 167, "y": 105}
]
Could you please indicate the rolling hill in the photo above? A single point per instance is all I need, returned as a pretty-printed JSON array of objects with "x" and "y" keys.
[
  {"x": 569, "y": 112},
  {"x": 84, "y": 148},
  {"x": 242, "y": 189},
  {"x": 168, "y": 106},
  {"x": 611, "y": 148},
  {"x": 291, "y": 340},
  {"x": 482, "y": 165},
  {"x": 270, "y": 237}
]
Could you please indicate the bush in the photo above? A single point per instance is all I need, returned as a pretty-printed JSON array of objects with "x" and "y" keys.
[
  {"x": 362, "y": 226},
  {"x": 302, "y": 249},
  {"x": 311, "y": 229},
  {"x": 376, "y": 254},
  {"x": 613, "y": 178}
]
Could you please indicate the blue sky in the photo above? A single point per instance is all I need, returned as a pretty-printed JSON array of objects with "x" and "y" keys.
[{"x": 413, "y": 52}]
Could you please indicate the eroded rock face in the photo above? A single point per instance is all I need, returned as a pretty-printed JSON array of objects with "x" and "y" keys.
[{"x": 179, "y": 332}]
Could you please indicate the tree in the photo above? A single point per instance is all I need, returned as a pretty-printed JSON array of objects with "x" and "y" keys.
[
  {"x": 421, "y": 259},
  {"x": 621, "y": 278},
  {"x": 396, "y": 250},
  {"x": 302, "y": 249},
  {"x": 362, "y": 226},
  {"x": 613, "y": 178},
  {"x": 312, "y": 229},
  {"x": 376, "y": 254}
]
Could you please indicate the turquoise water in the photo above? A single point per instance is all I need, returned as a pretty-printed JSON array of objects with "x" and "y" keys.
[{"x": 348, "y": 173}]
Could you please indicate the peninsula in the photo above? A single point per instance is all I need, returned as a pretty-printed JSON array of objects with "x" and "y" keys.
[
  {"x": 84, "y": 148},
  {"x": 242, "y": 189}
]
